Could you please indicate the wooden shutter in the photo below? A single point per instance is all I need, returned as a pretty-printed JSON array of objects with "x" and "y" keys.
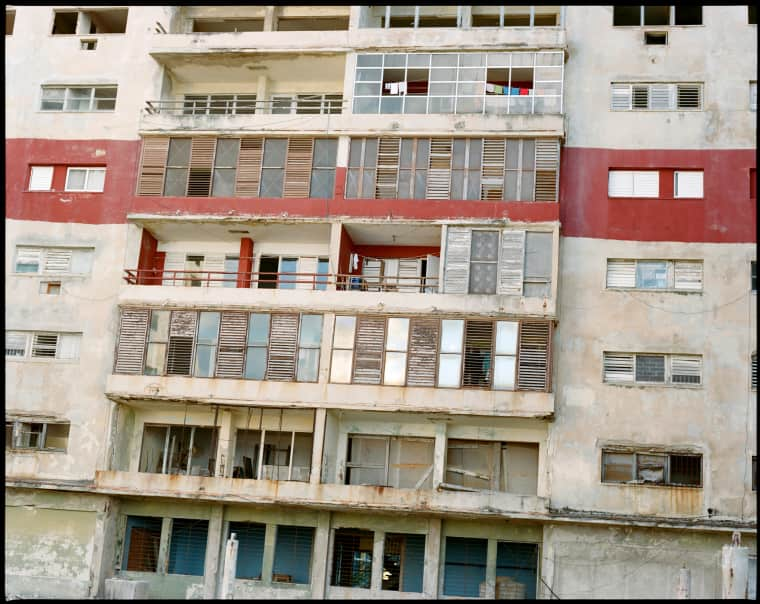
[
  {"x": 202, "y": 150},
  {"x": 181, "y": 339},
  {"x": 57, "y": 260},
  {"x": 155, "y": 151},
  {"x": 368, "y": 350},
  {"x": 214, "y": 263},
  {"x": 688, "y": 275},
  {"x": 174, "y": 261},
  {"x": 423, "y": 352},
  {"x": 298, "y": 167},
  {"x": 456, "y": 271},
  {"x": 386, "y": 181},
  {"x": 621, "y": 273},
  {"x": 621, "y": 97},
  {"x": 686, "y": 370},
  {"x": 133, "y": 331},
  {"x": 511, "y": 256},
  {"x": 534, "y": 356},
  {"x": 492, "y": 169},
  {"x": 618, "y": 367},
  {"x": 248, "y": 174},
  {"x": 547, "y": 166},
  {"x": 283, "y": 345},
  {"x": 232, "y": 339},
  {"x": 439, "y": 169}
]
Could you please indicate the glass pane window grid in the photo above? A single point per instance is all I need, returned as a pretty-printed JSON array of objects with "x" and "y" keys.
[
  {"x": 44, "y": 436},
  {"x": 178, "y": 449},
  {"x": 85, "y": 179},
  {"x": 341, "y": 364},
  {"x": 78, "y": 99},
  {"x": 673, "y": 469},
  {"x": 403, "y": 562},
  {"x": 309, "y": 346},
  {"x": 219, "y": 104}
]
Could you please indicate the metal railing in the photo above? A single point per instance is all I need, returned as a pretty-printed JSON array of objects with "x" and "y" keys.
[{"x": 297, "y": 105}]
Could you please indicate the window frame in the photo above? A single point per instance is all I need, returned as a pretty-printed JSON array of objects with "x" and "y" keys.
[
  {"x": 636, "y": 91},
  {"x": 88, "y": 171},
  {"x": 92, "y": 102},
  {"x": 32, "y": 344},
  {"x": 44, "y": 252},
  {"x": 385, "y": 466},
  {"x": 637, "y": 453},
  {"x": 668, "y": 359},
  {"x": 635, "y": 194},
  {"x": 42, "y": 440},
  {"x": 167, "y": 455},
  {"x": 671, "y": 266},
  {"x": 671, "y": 18},
  {"x": 677, "y": 173},
  {"x": 49, "y": 181}
]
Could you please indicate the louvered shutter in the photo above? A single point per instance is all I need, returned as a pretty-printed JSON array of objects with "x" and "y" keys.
[
  {"x": 298, "y": 167},
  {"x": 661, "y": 96},
  {"x": 511, "y": 256},
  {"x": 689, "y": 184},
  {"x": 182, "y": 327},
  {"x": 408, "y": 275},
  {"x": 386, "y": 183},
  {"x": 456, "y": 273},
  {"x": 620, "y": 183},
  {"x": 478, "y": 345},
  {"x": 423, "y": 349},
  {"x": 547, "y": 166},
  {"x": 492, "y": 169},
  {"x": 57, "y": 261},
  {"x": 439, "y": 169},
  {"x": 28, "y": 256},
  {"x": 753, "y": 376},
  {"x": 368, "y": 350},
  {"x": 618, "y": 367},
  {"x": 621, "y": 97},
  {"x": 248, "y": 174},
  {"x": 371, "y": 269},
  {"x": 621, "y": 273},
  {"x": 688, "y": 275},
  {"x": 534, "y": 354},
  {"x": 232, "y": 338},
  {"x": 646, "y": 183},
  {"x": 202, "y": 150},
  {"x": 214, "y": 264},
  {"x": 155, "y": 151},
  {"x": 133, "y": 330},
  {"x": 308, "y": 266},
  {"x": 688, "y": 96},
  {"x": 41, "y": 178},
  {"x": 283, "y": 343},
  {"x": 174, "y": 261},
  {"x": 685, "y": 370}
]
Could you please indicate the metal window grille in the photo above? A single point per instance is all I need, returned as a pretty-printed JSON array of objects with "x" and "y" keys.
[
  {"x": 516, "y": 570},
  {"x": 292, "y": 554},
  {"x": 141, "y": 544},
  {"x": 465, "y": 567},
  {"x": 352, "y": 558},
  {"x": 403, "y": 562},
  {"x": 250, "y": 536},
  {"x": 187, "y": 549}
]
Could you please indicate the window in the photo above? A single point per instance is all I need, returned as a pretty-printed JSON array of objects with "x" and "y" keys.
[
  {"x": 652, "y": 369},
  {"x": 752, "y": 14},
  {"x": 273, "y": 455},
  {"x": 225, "y": 165},
  {"x": 219, "y": 104},
  {"x": 188, "y": 450},
  {"x": 403, "y": 562},
  {"x": 39, "y": 435},
  {"x": 352, "y": 558},
  {"x": 141, "y": 544},
  {"x": 493, "y": 466},
  {"x": 288, "y": 272},
  {"x": 753, "y": 276},
  {"x": 309, "y": 345},
  {"x": 250, "y": 536},
  {"x": 689, "y": 184},
  {"x": 292, "y": 554},
  {"x": 51, "y": 288},
  {"x": 307, "y": 104},
  {"x": 88, "y": 44},
  {"x": 673, "y": 469},
  {"x": 206, "y": 347},
  {"x": 41, "y": 178},
  {"x": 200, "y": 270},
  {"x": 187, "y": 547},
  {"x": 655, "y": 97},
  {"x": 49, "y": 261},
  {"x": 753, "y": 96},
  {"x": 652, "y": 38},
  {"x": 64, "y": 23},
  {"x": 753, "y": 371},
  {"x": 465, "y": 566},
  {"x": 656, "y": 15},
  {"x": 85, "y": 179},
  {"x": 10, "y": 20},
  {"x": 342, "y": 354},
  {"x": 227, "y": 25},
  {"x": 37, "y": 345},
  {"x": 104, "y": 21},
  {"x": 684, "y": 275},
  {"x": 629, "y": 183},
  {"x": 80, "y": 98},
  {"x": 390, "y": 461}
]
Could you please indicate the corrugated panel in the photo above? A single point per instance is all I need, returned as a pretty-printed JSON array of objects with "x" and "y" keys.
[
  {"x": 368, "y": 350},
  {"x": 57, "y": 260},
  {"x": 283, "y": 343},
  {"x": 298, "y": 167},
  {"x": 618, "y": 367},
  {"x": 174, "y": 261},
  {"x": 232, "y": 334},
  {"x": 661, "y": 96},
  {"x": 621, "y": 97},
  {"x": 688, "y": 275},
  {"x": 202, "y": 150},
  {"x": 214, "y": 263},
  {"x": 133, "y": 330},
  {"x": 533, "y": 361},
  {"x": 456, "y": 274},
  {"x": 621, "y": 273},
  {"x": 155, "y": 151},
  {"x": 423, "y": 348},
  {"x": 386, "y": 183},
  {"x": 439, "y": 169},
  {"x": 182, "y": 327},
  {"x": 492, "y": 169},
  {"x": 248, "y": 174},
  {"x": 511, "y": 258},
  {"x": 478, "y": 356},
  {"x": 686, "y": 370}
]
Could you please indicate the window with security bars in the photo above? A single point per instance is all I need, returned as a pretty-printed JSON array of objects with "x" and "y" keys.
[
  {"x": 78, "y": 98},
  {"x": 292, "y": 554},
  {"x": 464, "y": 569},
  {"x": 652, "y": 369},
  {"x": 208, "y": 166},
  {"x": 516, "y": 570},
  {"x": 656, "y": 97},
  {"x": 650, "y": 467},
  {"x": 250, "y": 558},
  {"x": 403, "y": 562},
  {"x": 53, "y": 260},
  {"x": 489, "y": 169},
  {"x": 187, "y": 547},
  {"x": 20, "y": 345},
  {"x": 141, "y": 544},
  {"x": 390, "y": 461},
  {"x": 352, "y": 558},
  {"x": 273, "y": 455},
  {"x": 682, "y": 275},
  {"x": 38, "y": 435},
  {"x": 183, "y": 449}
]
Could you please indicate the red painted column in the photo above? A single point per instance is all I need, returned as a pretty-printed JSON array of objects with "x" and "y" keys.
[
  {"x": 158, "y": 267},
  {"x": 146, "y": 262},
  {"x": 246, "y": 262}
]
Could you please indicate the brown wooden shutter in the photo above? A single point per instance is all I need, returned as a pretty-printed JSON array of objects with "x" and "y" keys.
[
  {"x": 368, "y": 350},
  {"x": 133, "y": 330},
  {"x": 423, "y": 352},
  {"x": 232, "y": 339},
  {"x": 249, "y": 167},
  {"x": 202, "y": 151},
  {"x": 386, "y": 183},
  {"x": 439, "y": 169},
  {"x": 155, "y": 150},
  {"x": 181, "y": 338},
  {"x": 298, "y": 167},
  {"x": 534, "y": 356},
  {"x": 283, "y": 346},
  {"x": 547, "y": 167},
  {"x": 478, "y": 354},
  {"x": 492, "y": 169}
]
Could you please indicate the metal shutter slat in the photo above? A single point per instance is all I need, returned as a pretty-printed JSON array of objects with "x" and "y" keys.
[
  {"x": 621, "y": 273},
  {"x": 182, "y": 328},
  {"x": 233, "y": 329},
  {"x": 688, "y": 275},
  {"x": 686, "y": 370},
  {"x": 248, "y": 174},
  {"x": 283, "y": 343},
  {"x": 386, "y": 180},
  {"x": 618, "y": 367},
  {"x": 155, "y": 151},
  {"x": 456, "y": 275},
  {"x": 57, "y": 261},
  {"x": 298, "y": 167},
  {"x": 368, "y": 350},
  {"x": 423, "y": 352},
  {"x": 534, "y": 356},
  {"x": 547, "y": 167},
  {"x": 492, "y": 169},
  {"x": 133, "y": 331},
  {"x": 661, "y": 96},
  {"x": 439, "y": 169},
  {"x": 511, "y": 257},
  {"x": 202, "y": 151},
  {"x": 621, "y": 97}
]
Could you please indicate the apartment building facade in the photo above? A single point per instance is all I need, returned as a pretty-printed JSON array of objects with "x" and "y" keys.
[{"x": 347, "y": 282}]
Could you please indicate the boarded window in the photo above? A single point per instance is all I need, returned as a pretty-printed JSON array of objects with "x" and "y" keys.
[
  {"x": 187, "y": 548},
  {"x": 491, "y": 465},
  {"x": 292, "y": 554},
  {"x": 390, "y": 461},
  {"x": 141, "y": 544},
  {"x": 352, "y": 558},
  {"x": 403, "y": 562},
  {"x": 250, "y": 536}
]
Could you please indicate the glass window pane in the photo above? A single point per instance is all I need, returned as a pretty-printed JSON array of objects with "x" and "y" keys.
[
  {"x": 451, "y": 335},
  {"x": 288, "y": 265},
  {"x": 325, "y": 151},
  {"x": 506, "y": 337},
  {"x": 369, "y": 60},
  {"x": 75, "y": 179},
  {"x": 651, "y": 468},
  {"x": 255, "y": 363},
  {"x": 322, "y": 184},
  {"x": 395, "y": 369},
  {"x": 355, "y": 153},
  {"x": 78, "y": 99},
  {"x": 650, "y": 368},
  {"x": 652, "y": 275},
  {"x": 308, "y": 364},
  {"x": 208, "y": 327},
  {"x": 449, "y": 370},
  {"x": 179, "y": 152},
  {"x": 504, "y": 373},
  {"x": 258, "y": 329},
  {"x": 205, "y": 358},
  {"x": 224, "y": 182},
  {"x": 311, "y": 331},
  {"x": 340, "y": 367},
  {"x": 617, "y": 467},
  {"x": 155, "y": 359},
  {"x": 95, "y": 180},
  {"x": 398, "y": 334},
  {"x": 159, "y": 326},
  {"x": 52, "y": 99},
  {"x": 366, "y": 105},
  {"x": 344, "y": 332},
  {"x": 274, "y": 152},
  {"x": 483, "y": 278},
  {"x": 271, "y": 182},
  {"x": 175, "y": 183},
  {"x": 485, "y": 245},
  {"x": 227, "y": 152}
]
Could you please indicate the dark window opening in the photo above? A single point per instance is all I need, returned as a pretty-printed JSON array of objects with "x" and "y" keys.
[
  {"x": 10, "y": 20},
  {"x": 655, "y": 37},
  {"x": 403, "y": 562},
  {"x": 65, "y": 23},
  {"x": 405, "y": 21},
  {"x": 545, "y": 20},
  {"x": 485, "y": 20},
  {"x": 688, "y": 14},
  {"x": 516, "y": 20},
  {"x": 753, "y": 275},
  {"x": 752, "y": 14},
  {"x": 268, "y": 267},
  {"x": 88, "y": 44},
  {"x": 686, "y": 470},
  {"x": 107, "y": 21},
  {"x": 516, "y": 570},
  {"x": 626, "y": 15},
  {"x": 352, "y": 558},
  {"x": 227, "y": 25},
  {"x": 656, "y": 15},
  {"x": 312, "y": 24},
  {"x": 437, "y": 22}
]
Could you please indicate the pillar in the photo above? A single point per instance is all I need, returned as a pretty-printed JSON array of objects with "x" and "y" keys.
[
  {"x": 320, "y": 416},
  {"x": 320, "y": 565},
  {"x": 432, "y": 559},
  {"x": 439, "y": 454},
  {"x": 213, "y": 552},
  {"x": 245, "y": 265}
]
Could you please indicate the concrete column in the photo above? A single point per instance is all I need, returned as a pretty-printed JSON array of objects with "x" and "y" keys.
[
  {"x": 224, "y": 451},
  {"x": 348, "y": 80},
  {"x": 267, "y": 564},
  {"x": 320, "y": 415},
  {"x": 325, "y": 351},
  {"x": 320, "y": 564},
  {"x": 376, "y": 583},
  {"x": 227, "y": 588},
  {"x": 439, "y": 454},
  {"x": 354, "y": 17},
  {"x": 213, "y": 551},
  {"x": 270, "y": 18},
  {"x": 734, "y": 569},
  {"x": 104, "y": 556},
  {"x": 163, "y": 549},
  {"x": 432, "y": 559},
  {"x": 262, "y": 94},
  {"x": 466, "y": 16},
  {"x": 491, "y": 570},
  {"x": 684, "y": 584},
  {"x": 336, "y": 234},
  {"x": 341, "y": 454}
]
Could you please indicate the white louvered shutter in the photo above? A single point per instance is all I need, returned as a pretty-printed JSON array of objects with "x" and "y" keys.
[
  {"x": 621, "y": 97},
  {"x": 456, "y": 272},
  {"x": 174, "y": 261},
  {"x": 232, "y": 339},
  {"x": 661, "y": 96},
  {"x": 423, "y": 351},
  {"x": 41, "y": 178},
  {"x": 688, "y": 275},
  {"x": 371, "y": 269},
  {"x": 283, "y": 345},
  {"x": 534, "y": 356},
  {"x": 547, "y": 168},
  {"x": 686, "y": 370},
  {"x": 368, "y": 350},
  {"x": 620, "y": 183},
  {"x": 29, "y": 256},
  {"x": 511, "y": 262},
  {"x": 308, "y": 266},
  {"x": 81, "y": 261},
  {"x": 621, "y": 273},
  {"x": 618, "y": 367},
  {"x": 439, "y": 169},
  {"x": 133, "y": 330},
  {"x": 386, "y": 182},
  {"x": 408, "y": 275},
  {"x": 155, "y": 151},
  {"x": 57, "y": 261},
  {"x": 646, "y": 183},
  {"x": 689, "y": 184},
  {"x": 214, "y": 264},
  {"x": 492, "y": 169}
]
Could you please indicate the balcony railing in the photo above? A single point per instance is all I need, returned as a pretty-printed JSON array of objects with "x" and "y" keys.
[
  {"x": 318, "y": 104},
  {"x": 284, "y": 280}
]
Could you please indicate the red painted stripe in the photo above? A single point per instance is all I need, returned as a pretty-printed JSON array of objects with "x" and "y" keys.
[{"x": 725, "y": 215}]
